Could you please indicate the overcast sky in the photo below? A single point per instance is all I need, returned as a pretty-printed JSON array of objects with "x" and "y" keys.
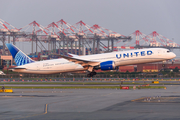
[{"x": 122, "y": 16}]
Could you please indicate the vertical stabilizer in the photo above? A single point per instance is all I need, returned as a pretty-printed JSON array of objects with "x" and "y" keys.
[{"x": 19, "y": 57}]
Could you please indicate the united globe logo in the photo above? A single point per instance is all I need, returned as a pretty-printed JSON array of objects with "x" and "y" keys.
[{"x": 22, "y": 59}]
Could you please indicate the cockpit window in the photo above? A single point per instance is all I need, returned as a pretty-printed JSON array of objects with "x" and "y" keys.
[{"x": 168, "y": 51}]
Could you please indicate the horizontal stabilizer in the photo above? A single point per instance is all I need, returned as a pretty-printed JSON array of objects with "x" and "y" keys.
[{"x": 17, "y": 68}]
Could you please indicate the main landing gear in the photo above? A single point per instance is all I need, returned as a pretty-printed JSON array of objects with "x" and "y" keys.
[{"x": 91, "y": 74}]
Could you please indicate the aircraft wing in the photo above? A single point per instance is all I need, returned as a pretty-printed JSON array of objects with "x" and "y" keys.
[
  {"x": 73, "y": 55},
  {"x": 80, "y": 61}
]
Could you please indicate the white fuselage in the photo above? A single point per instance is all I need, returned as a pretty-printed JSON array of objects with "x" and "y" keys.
[{"x": 120, "y": 58}]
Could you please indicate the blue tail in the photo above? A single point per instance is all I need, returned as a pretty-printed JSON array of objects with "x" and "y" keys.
[{"x": 19, "y": 57}]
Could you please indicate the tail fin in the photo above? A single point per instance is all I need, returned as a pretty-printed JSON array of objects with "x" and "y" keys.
[{"x": 19, "y": 57}]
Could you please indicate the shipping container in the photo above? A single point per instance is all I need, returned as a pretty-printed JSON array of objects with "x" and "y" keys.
[
  {"x": 44, "y": 56},
  {"x": 159, "y": 66},
  {"x": 33, "y": 56},
  {"x": 150, "y": 67},
  {"x": 126, "y": 67},
  {"x": 173, "y": 67},
  {"x": 150, "y": 70},
  {"x": 125, "y": 70}
]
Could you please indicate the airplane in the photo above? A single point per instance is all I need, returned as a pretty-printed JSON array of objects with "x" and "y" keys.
[
  {"x": 2, "y": 73},
  {"x": 89, "y": 63}
]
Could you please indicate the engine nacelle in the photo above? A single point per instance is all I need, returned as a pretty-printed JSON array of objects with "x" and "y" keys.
[{"x": 108, "y": 65}]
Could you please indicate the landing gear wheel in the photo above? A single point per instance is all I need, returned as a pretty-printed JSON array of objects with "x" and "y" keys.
[
  {"x": 88, "y": 75},
  {"x": 94, "y": 73},
  {"x": 91, "y": 74}
]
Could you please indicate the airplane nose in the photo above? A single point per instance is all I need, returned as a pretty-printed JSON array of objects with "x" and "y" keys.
[{"x": 173, "y": 55}]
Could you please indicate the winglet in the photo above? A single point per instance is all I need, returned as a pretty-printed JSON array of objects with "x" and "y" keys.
[{"x": 19, "y": 57}]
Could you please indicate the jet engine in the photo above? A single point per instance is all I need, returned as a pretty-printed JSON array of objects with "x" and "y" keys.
[{"x": 108, "y": 65}]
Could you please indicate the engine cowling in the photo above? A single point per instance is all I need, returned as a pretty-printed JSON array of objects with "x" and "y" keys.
[{"x": 108, "y": 65}]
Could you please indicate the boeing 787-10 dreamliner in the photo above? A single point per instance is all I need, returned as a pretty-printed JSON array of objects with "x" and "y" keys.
[{"x": 90, "y": 63}]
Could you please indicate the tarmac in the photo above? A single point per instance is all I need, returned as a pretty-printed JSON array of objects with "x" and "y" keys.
[{"x": 91, "y": 104}]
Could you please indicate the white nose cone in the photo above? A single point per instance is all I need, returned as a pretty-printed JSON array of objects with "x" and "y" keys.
[{"x": 173, "y": 55}]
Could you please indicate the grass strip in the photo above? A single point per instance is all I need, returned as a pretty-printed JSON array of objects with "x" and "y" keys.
[
  {"x": 152, "y": 87},
  {"x": 80, "y": 87},
  {"x": 68, "y": 83},
  {"x": 82, "y": 83}
]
